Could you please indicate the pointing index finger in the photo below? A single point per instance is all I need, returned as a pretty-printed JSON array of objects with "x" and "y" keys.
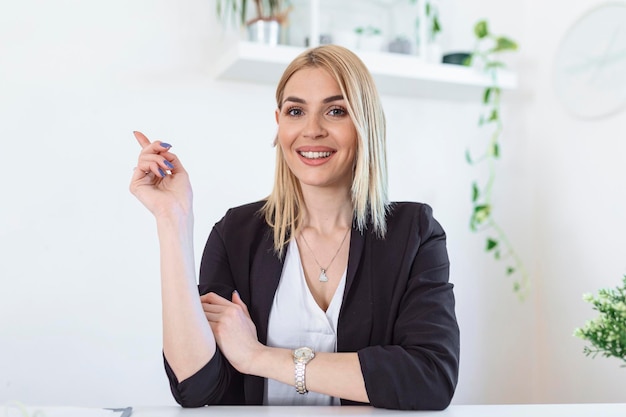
[{"x": 141, "y": 139}]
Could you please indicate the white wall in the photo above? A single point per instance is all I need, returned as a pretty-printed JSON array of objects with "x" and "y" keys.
[
  {"x": 580, "y": 201},
  {"x": 79, "y": 292}
]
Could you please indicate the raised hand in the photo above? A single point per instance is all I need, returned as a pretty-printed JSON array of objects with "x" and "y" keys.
[{"x": 159, "y": 181}]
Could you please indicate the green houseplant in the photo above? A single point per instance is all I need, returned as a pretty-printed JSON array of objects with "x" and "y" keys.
[
  {"x": 607, "y": 332},
  {"x": 486, "y": 55},
  {"x": 237, "y": 11},
  {"x": 263, "y": 24}
]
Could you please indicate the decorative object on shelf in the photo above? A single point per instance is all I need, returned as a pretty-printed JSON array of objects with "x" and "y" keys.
[
  {"x": 324, "y": 39},
  {"x": 433, "y": 48},
  {"x": 429, "y": 31},
  {"x": 485, "y": 55},
  {"x": 456, "y": 58},
  {"x": 607, "y": 332},
  {"x": 400, "y": 45},
  {"x": 265, "y": 24},
  {"x": 590, "y": 63}
]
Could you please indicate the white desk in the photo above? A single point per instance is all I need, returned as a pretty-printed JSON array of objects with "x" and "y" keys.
[
  {"x": 534, "y": 410},
  {"x": 530, "y": 410}
]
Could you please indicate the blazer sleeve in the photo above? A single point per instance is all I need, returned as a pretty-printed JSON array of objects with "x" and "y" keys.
[
  {"x": 419, "y": 368},
  {"x": 217, "y": 382}
]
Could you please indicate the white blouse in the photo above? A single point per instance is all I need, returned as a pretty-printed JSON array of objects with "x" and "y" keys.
[{"x": 295, "y": 321}]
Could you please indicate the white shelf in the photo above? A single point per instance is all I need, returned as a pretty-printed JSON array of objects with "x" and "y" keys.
[{"x": 395, "y": 74}]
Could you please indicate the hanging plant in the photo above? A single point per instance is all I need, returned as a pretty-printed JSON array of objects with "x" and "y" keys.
[{"x": 486, "y": 55}]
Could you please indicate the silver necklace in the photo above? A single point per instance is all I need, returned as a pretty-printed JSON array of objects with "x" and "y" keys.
[{"x": 323, "y": 277}]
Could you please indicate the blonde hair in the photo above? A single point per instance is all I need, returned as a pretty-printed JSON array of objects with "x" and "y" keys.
[{"x": 283, "y": 207}]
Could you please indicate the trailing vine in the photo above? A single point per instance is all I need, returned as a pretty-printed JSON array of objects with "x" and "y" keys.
[{"x": 486, "y": 55}]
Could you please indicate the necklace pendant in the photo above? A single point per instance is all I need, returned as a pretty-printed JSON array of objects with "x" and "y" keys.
[{"x": 323, "y": 277}]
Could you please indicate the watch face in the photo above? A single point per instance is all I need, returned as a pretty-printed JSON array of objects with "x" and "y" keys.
[
  {"x": 590, "y": 63},
  {"x": 303, "y": 353}
]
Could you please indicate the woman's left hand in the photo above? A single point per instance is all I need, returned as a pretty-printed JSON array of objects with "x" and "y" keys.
[{"x": 234, "y": 331}]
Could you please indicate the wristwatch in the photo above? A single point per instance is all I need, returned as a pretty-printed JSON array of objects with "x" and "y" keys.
[{"x": 301, "y": 357}]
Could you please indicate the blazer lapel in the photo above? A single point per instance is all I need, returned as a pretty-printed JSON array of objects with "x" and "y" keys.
[
  {"x": 355, "y": 318},
  {"x": 357, "y": 243}
]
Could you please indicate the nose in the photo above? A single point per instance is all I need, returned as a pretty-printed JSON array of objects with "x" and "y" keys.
[{"x": 314, "y": 128}]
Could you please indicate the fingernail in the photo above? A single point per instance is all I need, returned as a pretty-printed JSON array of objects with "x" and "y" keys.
[
  {"x": 161, "y": 172},
  {"x": 166, "y": 145},
  {"x": 168, "y": 164},
  {"x": 236, "y": 292}
]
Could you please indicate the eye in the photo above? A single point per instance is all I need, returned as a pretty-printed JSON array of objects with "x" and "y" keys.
[
  {"x": 294, "y": 111},
  {"x": 337, "y": 112}
]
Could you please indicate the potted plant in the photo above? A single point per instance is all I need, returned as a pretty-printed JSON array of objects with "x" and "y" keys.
[
  {"x": 430, "y": 30},
  {"x": 607, "y": 332},
  {"x": 263, "y": 22}
]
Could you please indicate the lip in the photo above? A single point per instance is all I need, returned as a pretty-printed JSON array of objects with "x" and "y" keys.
[
  {"x": 317, "y": 161},
  {"x": 315, "y": 149}
]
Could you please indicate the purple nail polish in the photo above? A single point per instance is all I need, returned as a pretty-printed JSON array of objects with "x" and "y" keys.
[
  {"x": 168, "y": 164},
  {"x": 161, "y": 172},
  {"x": 165, "y": 145}
]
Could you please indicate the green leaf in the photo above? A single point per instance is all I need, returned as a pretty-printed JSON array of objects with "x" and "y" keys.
[
  {"x": 493, "y": 116},
  {"x": 495, "y": 150},
  {"x": 494, "y": 64},
  {"x": 427, "y": 8},
  {"x": 436, "y": 26},
  {"x": 468, "y": 157},
  {"x": 510, "y": 270},
  {"x": 475, "y": 192},
  {"x": 468, "y": 61},
  {"x": 491, "y": 244},
  {"x": 516, "y": 286},
  {"x": 486, "y": 95},
  {"x": 504, "y": 44},
  {"x": 481, "y": 30},
  {"x": 480, "y": 214}
]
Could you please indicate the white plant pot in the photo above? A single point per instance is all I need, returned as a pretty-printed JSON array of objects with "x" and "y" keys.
[
  {"x": 433, "y": 53},
  {"x": 264, "y": 31}
]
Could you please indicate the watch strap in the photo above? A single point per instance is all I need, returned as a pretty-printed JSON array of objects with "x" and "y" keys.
[{"x": 300, "y": 371}]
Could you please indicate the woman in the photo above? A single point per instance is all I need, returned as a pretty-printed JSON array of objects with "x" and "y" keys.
[{"x": 324, "y": 293}]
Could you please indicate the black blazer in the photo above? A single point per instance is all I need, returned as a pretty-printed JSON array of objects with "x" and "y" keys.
[{"x": 397, "y": 311}]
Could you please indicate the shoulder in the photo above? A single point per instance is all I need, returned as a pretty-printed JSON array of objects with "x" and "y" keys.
[
  {"x": 246, "y": 210},
  {"x": 401, "y": 211},
  {"x": 410, "y": 217},
  {"x": 243, "y": 217}
]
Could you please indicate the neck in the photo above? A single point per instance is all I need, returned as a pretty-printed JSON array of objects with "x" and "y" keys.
[{"x": 327, "y": 209}]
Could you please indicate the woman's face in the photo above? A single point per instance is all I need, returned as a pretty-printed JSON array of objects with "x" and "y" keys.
[{"x": 315, "y": 132}]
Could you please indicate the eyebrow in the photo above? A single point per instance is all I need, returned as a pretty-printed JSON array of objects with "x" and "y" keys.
[{"x": 326, "y": 100}]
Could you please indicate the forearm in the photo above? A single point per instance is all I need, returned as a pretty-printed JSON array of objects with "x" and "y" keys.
[
  {"x": 335, "y": 374},
  {"x": 188, "y": 342}
]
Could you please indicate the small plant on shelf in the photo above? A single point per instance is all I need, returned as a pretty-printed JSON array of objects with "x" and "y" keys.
[
  {"x": 486, "y": 54},
  {"x": 607, "y": 332},
  {"x": 237, "y": 11}
]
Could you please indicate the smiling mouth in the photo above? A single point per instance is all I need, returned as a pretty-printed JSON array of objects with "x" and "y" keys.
[{"x": 315, "y": 155}]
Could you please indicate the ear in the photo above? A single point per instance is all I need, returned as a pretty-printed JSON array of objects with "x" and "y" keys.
[{"x": 276, "y": 114}]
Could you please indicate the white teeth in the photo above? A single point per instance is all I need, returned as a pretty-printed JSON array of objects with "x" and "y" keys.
[{"x": 315, "y": 155}]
